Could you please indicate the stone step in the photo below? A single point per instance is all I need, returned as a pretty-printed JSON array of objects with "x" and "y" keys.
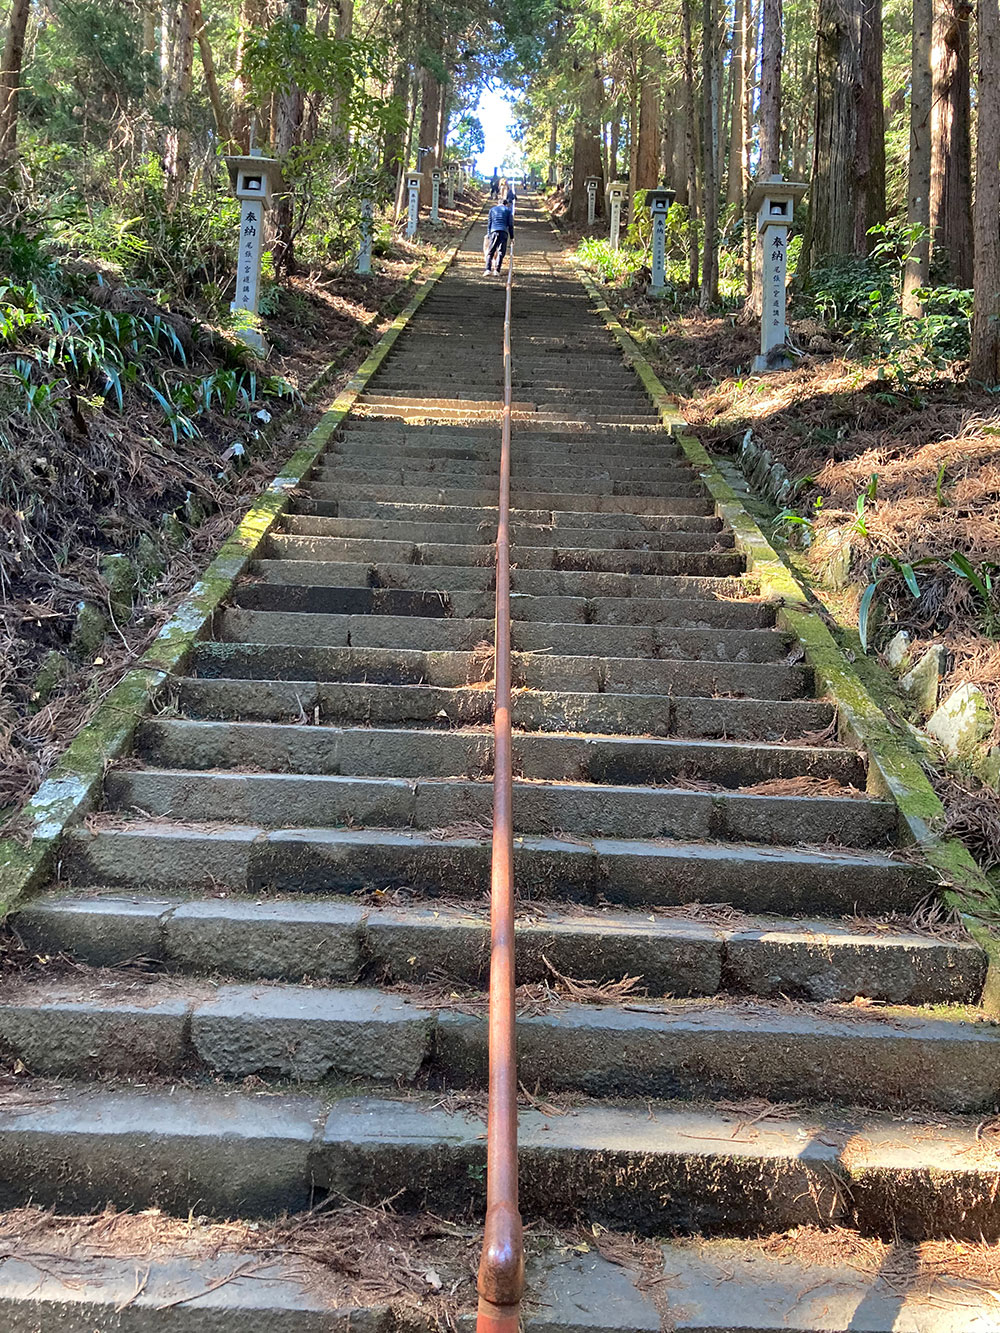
[
  {"x": 447, "y": 863},
  {"x": 707, "y": 538},
  {"x": 668, "y": 1170},
  {"x": 536, "y": 671},
  {"x": 650, "y": 1168},
  {"x": 341, "y": 940},
  {"x": 444, "y": 707},
  {"x": 903, "y": 1059},
  {"x": 477, "y": 514},
  {"x": 615, "y": 587},
  {"x": 691, "y": 501},
  {"x": 713, "y": 564},
  {"x": 458, "y": 473},
  {"x": 169, "y": 742},
  {"x": 447, "y": 634},
  {"x": 689, "y": 613},
  {"x": 282, "y": 800}
]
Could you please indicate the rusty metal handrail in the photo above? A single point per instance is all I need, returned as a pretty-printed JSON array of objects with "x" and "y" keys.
[{"x": 501, "y": 1267}]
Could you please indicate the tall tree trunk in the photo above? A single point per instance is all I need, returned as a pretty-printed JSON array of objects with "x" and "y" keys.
[
  {"x": 343, "y": 27},
  {"x": 734, "y": 180},
  {"x": 771, "y": 43},
  {"x": 177, "y": 153},
  {"x": 321, "y": 27},
  {"x": 219, "y": 112},
  {"x": 770, "y": 88},
  {"x": 848, "y": 181},
  {"x": 951, "y": 156},
  {"x": 554, "y": 148},
  {"x": 252, "y": 13},
  {"x": 587, "y": 141},
  {"x": 288, "y": 132},
  {"x": 690, "y": 146},
  {"x": 709, "y": 155},
  {"x": 616, "y": 130},
  {"x": 10, "y": 80},
  {"x": 430, "y": 114},
  {"x": 749, "y": 90},
  {"x": 918, "y": 188},
  {"x": 985, "y": 353},
  {"x": 647, "y": 158}
]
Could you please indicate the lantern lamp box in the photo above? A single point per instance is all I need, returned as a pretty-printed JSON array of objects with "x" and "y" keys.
[
  {"x": 774, "y": 199},
  {"x": 255, "y": 177},
  {"x": 617, "y": 191}
]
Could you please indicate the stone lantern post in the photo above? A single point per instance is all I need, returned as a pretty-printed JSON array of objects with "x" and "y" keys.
[
  {"x": 617, "y": 192},
  {"x": 452, "y": 172},
  {"x": 591, "y": 183},
  {"x": 774, "y": 199},
  {"x": 436, "y": 196},
  {"x": 659, "y": 201},
  {"x": 413, "y": 179},
  {"x": 365, "y": 248},
  {"x": 254, "y": 181}
]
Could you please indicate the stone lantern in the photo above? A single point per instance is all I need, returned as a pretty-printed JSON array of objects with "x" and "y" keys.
[
  {"x": 591, "y": 183},
  {"x": 436, "y": 196},
  {"x": 254, "y": 181},
  {"x": 658, "y": 202},
  {"x": 617, "y": 194},
  {"x": 367, "y": 216},
  {"x": 413, "y": 179},
  {"x": 452, "y": 173},
  {"x": 774, "y": 200}
]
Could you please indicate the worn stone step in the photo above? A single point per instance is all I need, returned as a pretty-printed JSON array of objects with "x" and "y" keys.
[
  {"x": 437, "y": 633},
  {"x": 703, "y": 538},
  {"x": 690, "y": 613},
  {"x": 169, "y": 742},
  {"x": 650, "y": 1168},
  {"x": 669, "y": 1049},
  {"x": 537, "y": 671},
  {"x": 459, "y": 477},
  {"x": 666, "y": 873},
  {"x": 444, "y": 707},
  {"x": 340, "y": 940},
  {"x": 477, "y": 514},
  {"x": 710, "y": 563},
  {"x": 668, "y": 1170},
  {"x": 690, "y": 501},
  {"x": 528, "y": 582},
  {"x": 88, "y": 1026},
  {"x": 281, "y": 800}
]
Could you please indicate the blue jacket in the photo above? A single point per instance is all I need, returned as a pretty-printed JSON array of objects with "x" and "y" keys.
[{"x": 501, "y": 219}]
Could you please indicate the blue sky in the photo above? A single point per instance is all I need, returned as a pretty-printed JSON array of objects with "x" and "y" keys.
[{"x": 496, "y": 114}]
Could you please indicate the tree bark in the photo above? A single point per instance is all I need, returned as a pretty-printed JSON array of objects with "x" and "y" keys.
[
  {"x": 951, "y": 154},
  {"x": 985, "y": 352},
  {"x": 554, "y": 148},
  {"x": 587, "y": 142},
  {"x": 848, "y": 183},
  {"x": 251, "y": 19},
  {"x": 10, "y": 80},
  {"x": 219, "y": 112},
  {"x": 430, "y": 113},
  {"x": 770, "y": 88},
  {"x": 734, "y": 180},
  {"x": 647, "y": 161},
  {"x": 177, "y": 153},
  {"x": 918, "y": 188},
  {"x": 709, "y": 155},
  {"x": 690, "y": 146},
  {"x": 288, "y": 132}
]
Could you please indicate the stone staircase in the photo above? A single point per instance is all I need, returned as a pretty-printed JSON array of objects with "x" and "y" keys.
[{"x": 277, "y": 924}]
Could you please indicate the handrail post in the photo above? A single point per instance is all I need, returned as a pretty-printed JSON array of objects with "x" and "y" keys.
[{"x": 501, "y": 1267}]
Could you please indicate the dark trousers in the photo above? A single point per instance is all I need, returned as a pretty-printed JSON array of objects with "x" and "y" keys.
[{"x": 494, "y": 249}]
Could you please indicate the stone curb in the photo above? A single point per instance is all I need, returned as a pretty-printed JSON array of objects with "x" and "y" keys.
[
  {"x": 74, "y": 782},
  {"x": 896, "y": 771}
]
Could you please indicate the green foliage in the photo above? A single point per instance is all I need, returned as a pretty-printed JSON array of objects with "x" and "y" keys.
[
  {"x": 612, "y": 265},
  {"x": 467, "y": 138},
  {"x": 177, "y": 250},
  {"x": 66, "y": 351},
  {"x": 861, "y": 296},
  {"x": 980, "y": 580}
]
